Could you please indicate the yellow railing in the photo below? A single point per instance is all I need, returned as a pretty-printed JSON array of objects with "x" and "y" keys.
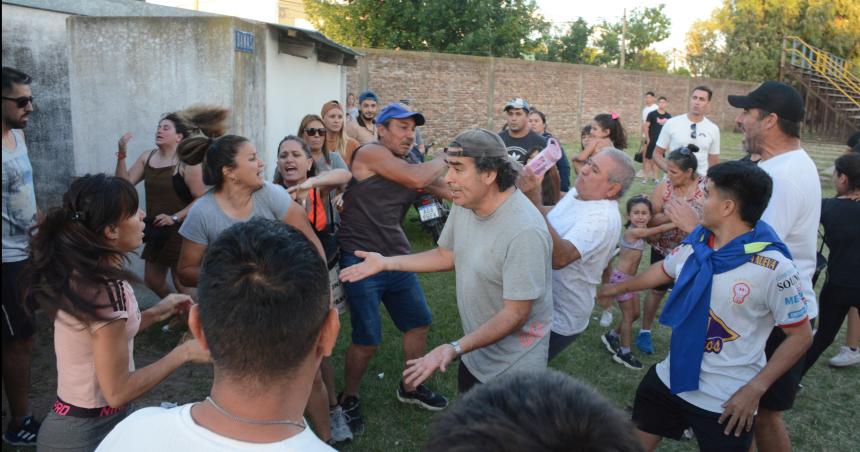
[{"x": 826, "y": 65}]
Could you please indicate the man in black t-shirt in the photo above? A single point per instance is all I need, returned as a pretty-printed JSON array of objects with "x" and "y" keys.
[
  {"x": 518, "y": 137},
  {"x": 654, "y": 122}
]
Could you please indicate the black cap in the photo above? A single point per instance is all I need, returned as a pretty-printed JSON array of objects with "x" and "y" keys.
[{"x": 775, "y": 97}]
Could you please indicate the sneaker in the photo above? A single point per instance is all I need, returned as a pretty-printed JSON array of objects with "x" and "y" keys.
[
  {"x": 26, "y": 434},
  {"x": 627, "y": 360},
  {"x": 606, "y": 318},
  {"x": 846, "y": 357},
  {"x": 611, "y": 342},
  {"x": 423, "y": 397},
  {"x": 352, "y": 411},
  {"x": 340, "y": 431},
  {"x": 643, "y": 343}
]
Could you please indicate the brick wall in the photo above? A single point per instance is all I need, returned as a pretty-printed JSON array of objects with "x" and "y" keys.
[{"x": 456, "y": 92}]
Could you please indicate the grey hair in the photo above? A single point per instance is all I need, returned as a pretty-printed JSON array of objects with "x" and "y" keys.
[{"x": 624, "y": 172}]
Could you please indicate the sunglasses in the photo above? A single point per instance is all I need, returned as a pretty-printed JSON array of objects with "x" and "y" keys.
[
  {"x": 311, "y": 132},
  {"x": 20, "y": 102},
  {"x": 693, "y": 130}
]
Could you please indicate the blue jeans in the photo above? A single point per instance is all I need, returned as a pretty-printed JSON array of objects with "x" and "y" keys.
[{"x": 399, "y": 291}]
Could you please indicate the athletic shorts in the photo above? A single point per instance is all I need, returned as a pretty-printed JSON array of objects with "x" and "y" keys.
[
  {"x": 399, "y": 291},
  {"x": 659, "y": 412},
  {"x": 18, "y": 322},
  {"x": 68, "y": 433},
  {"x": 616, "y": 277},
  {"x": 780, "y": 395},
  {"x": 656, "y": 256}
]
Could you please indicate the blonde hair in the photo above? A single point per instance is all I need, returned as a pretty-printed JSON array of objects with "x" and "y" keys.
[{"x": 342, "y": 137}]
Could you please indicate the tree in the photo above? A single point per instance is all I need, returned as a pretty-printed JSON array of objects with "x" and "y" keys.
[
  {"x": 743, "y": 38},
  {"x": 506, "y": 28},
  {"x": 570, "y": 46},
  {"x": 645, "y": 26}
]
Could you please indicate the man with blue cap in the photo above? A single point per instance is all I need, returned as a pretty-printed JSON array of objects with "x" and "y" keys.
[
  {"x": 382, "y": 189},
  {"x": 363, "y": 128}
]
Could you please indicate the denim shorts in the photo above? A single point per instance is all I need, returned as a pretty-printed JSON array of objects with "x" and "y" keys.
[{"x": 399, "y": 291}]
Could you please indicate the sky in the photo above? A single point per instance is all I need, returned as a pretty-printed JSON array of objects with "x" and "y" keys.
[{"x": 682, "y": 13}]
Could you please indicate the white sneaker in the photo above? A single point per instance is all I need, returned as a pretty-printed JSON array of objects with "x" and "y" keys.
[
  {"x": 606, "y": 318},
  {"x": 339, "y": 428},
  {"x": 846, "y": 357}
]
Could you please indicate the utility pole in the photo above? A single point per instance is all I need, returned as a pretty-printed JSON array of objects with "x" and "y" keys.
[{"x": 623, "y": 37}]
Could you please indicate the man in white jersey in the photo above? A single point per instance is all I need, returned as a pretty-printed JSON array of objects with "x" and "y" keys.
[
  {"x": 770, "y": 121},
  {"x": 727, "y": 299},
  {"x": 691, "y": 128},
  {"x": 265, "y": 314}
]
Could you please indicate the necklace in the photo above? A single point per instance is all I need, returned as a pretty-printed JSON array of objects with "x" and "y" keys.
[{"x": 253, "y": 421}]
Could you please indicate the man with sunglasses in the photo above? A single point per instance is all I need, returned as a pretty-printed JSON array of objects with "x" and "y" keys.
[
  {"x": 498, "y": 245},
  {"x": 691, "y": 128},
  {"x": 19, "y": 214},
  {"x": 382, "y": 189}
]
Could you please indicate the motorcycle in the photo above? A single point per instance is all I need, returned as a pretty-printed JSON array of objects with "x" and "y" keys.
[{"x": 432, "y": 211}]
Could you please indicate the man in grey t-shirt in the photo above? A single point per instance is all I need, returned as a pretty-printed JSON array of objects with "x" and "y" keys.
[{"x": 499, "y": 244}]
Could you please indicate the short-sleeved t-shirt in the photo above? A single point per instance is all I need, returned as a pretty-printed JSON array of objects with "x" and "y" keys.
[
  {"x": 647, "y": 110},
  {"x": 77, "y": 383},
  {"x": 656, "y": 120},
  {"x": 593, "y": 228},
  {"x": 174, "y": 429},
  {"x": 519, "y": 148},
  {"x": 746, "y": 303},
  {"x": 505, "y": 256},
  {"x": 794, "y": 211},
  {"x": 206, "y": 220},
  {"x": 19, "y": 200},
  {"x": 677, "y": 132},
  {"x": 841, "y": 220}
]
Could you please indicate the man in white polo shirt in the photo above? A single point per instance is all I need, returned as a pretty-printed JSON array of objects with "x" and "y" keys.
[
  {"x": 739, "y": 284},
  {"x": 770, "y": 121},
  {"x": 691, "y": 128}
]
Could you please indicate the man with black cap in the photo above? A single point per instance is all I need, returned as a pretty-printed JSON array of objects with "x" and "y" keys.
[
  {"x": 518, "y": 137},
  {"x": 771, "y": 120},
  {"x": 500, "y": 247},
  {"x": 382, "y": 189},
  {"x": 363, "y": 128}
]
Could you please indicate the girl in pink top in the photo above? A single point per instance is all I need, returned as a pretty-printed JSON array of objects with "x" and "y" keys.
[{"x": 77, "y": 254}]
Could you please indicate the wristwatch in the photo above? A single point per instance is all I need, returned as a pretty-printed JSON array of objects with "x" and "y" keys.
[
  {"x": 175, "y": 218},
  {"x": 457, "y": 348}
]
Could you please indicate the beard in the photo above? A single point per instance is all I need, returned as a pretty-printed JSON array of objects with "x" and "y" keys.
[{"x": 16, "y": 123}]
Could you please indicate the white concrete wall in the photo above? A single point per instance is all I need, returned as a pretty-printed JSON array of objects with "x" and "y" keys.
[{"x": 294, "y": 87}]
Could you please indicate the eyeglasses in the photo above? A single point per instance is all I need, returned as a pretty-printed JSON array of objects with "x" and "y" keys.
[
  {"x": 311, "y": 132},
  {"x": 20, "y": 102},
  {"x": 693, "y": 130}
]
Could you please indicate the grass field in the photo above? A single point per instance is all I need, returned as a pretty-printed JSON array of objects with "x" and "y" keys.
[{"x": 824, "y": 418}]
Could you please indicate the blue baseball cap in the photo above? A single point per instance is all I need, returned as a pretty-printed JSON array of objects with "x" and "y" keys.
[
  {"x": 398, "y": 111},
  {"x": 367, "y": 95}
]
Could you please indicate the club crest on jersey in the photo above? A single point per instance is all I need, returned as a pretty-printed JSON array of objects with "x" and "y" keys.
[
  {"x": 763, "y": 261},
  {"x": 740, "y": 292},
  {"x": 718, "y": 334}
]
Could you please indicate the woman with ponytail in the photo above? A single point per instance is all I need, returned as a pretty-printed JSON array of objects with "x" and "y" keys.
[
  {"x": 170, "y": 186},
  {"x": 606, "y": 131},
  {"x": 77, "y": 274},
  {"x": 233, "y": 168},
  {"x": 336, "y": 139}
]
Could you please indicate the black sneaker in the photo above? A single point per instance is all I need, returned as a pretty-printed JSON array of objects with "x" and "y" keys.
[
  {"x": 26, "y": 435},
  {"x": 612, "y": 343},
  {"x": 627, "y": 359},
  {"x": 423, "y": 397},
  {"x": 352, "y": 411}
]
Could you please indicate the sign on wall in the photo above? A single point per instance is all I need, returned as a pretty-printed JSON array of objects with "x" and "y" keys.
[{"x": 244, "y": 41}]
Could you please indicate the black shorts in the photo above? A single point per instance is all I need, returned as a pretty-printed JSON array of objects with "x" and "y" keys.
[
  {"x": 649, "y": 151},
  {"x": 656, "y": 256},
  {"x": 465, "y": 379},
  {"x": 18, "y": 322},
  {"x": 658, "y": 412},
  {"x": 780, "y": 395}
]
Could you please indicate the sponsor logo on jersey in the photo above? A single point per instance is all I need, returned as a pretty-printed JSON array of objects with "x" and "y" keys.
[
  {"x": 798, "y": 314},
  {"x": 740, "y": 292},
  {"x": 718, "y": 334},
  {"x": 788, "y": 282},
  {"x": 763, "y": 261},
  {"x": 796, "y": 298}
]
